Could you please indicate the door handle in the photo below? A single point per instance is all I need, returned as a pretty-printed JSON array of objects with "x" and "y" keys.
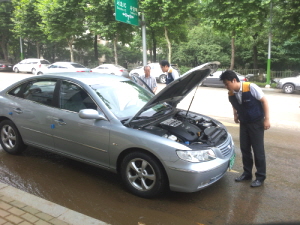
[
  {"x": 60, "y": 122},
  {"x": 17, "y": 110}
]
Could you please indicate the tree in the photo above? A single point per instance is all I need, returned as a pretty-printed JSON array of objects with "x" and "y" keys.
[
  {"x": 63, "y": 20},
  {"x": 26, "y": 22},
  {"x": 233, "y": 17},
  {"x": 101, "y": 21},
  {"x": 168, "y": 17},
  {"x": 6, "y": 25}
]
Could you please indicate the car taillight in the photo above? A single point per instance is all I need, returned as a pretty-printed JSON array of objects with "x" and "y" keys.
[
  {"x": 2, "y": 66},
  {"x": 91, "y": 70},
  {"x": 121, "y": 70},
  {"x": 40, "y": 65},
  {"x": 80, "y": 71}
]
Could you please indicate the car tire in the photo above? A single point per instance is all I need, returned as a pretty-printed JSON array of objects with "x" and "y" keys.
[
  {"x": 33, "y": 71},
  {"x": 10, "y": 138},
  {"x": 288, "y": 88},
  {"x": 162, "y": 79},
  {"x": 39, "y": 73},
  {"x": 16, "y": 70},
  {"x": 143, "y": 175}
]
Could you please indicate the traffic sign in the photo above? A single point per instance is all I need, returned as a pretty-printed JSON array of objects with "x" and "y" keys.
[{"x": 127, "y": 11}]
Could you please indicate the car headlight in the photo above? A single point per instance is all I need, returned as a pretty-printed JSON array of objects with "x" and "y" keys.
[{"x": 197, "y": 156}]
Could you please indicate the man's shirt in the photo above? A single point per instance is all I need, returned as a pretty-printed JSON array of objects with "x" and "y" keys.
[{"x": 256, "y": 92}]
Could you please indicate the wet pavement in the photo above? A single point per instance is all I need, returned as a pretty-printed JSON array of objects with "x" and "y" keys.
[
  {"x": 19, "y": 207},
  {"x": 100, "y": 195}
]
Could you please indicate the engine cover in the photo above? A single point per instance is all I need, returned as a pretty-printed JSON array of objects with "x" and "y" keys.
[{"x": 182, "y": 129}]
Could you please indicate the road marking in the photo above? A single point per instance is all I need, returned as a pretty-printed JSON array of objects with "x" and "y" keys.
[
  {"x": 233, "y": 171},
  {"x": 230, "y": 124}
]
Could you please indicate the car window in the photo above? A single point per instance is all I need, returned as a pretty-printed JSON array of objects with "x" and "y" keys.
[
  {"x": 52, "y": 66},
  {"x": 45, "y": 62},
  {"x": 77, "y": 65},
  {"x": 123, "y": 105},
  {"x": 74, "y": 98},
  {"x": 40, "y": 91}
]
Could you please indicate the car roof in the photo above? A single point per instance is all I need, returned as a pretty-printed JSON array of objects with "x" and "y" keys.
[{"x": 88, "y": 78}]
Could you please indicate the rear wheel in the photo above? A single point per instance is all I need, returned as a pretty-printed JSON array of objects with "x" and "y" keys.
[
  {"x": 162, "y": 79},
  {"x": 10, "y": 138},
  {"x": 288, "y": 88},
  {"x": 39, "y": 73},
  {"x": 16, "y": 70},
  {"x": 143, "y": 175}
]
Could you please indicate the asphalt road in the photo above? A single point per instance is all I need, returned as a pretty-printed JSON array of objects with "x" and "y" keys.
[{"x": 100, "y": 194}]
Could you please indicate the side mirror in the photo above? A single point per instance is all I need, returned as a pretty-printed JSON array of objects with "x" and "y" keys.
[{"x": 91, "y": 114}]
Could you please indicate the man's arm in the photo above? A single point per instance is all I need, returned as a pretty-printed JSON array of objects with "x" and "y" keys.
[
  {"x": 236, "y": 119},
  {"x": 154, "y": 85},
  {"x": 265, "y": 106}
]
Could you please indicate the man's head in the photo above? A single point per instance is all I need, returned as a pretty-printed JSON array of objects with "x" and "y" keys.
[
  {"x": 164, "y": 65},
  {"x": 230, "y": 80},
  {"x": 147, "y": 71}
]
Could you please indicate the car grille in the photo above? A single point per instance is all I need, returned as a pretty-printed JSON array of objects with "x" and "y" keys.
[{"x": 226, "y": 147}]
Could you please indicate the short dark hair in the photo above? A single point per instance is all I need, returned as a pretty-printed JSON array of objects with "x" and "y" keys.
[
  {"x": 164, "y": 63},
  {"x": 229, "y": 75}
]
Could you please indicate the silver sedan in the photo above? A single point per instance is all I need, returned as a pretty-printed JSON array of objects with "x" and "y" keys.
[{"x": 113, "y": 123}]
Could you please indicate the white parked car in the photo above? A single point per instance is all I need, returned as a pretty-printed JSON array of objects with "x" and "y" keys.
[
  {"x": 111, "y": 69},
  {"x": 155, "y": 72},
  {"x": 289, "y": 84},
  {"x": 31, "y": 65},
  {"x": 59, "y": 67}
]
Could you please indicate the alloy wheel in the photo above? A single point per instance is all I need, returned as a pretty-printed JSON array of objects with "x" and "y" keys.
[{"x": 8, "y": 137}]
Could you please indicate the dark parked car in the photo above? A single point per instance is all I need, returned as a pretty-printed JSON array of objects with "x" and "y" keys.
[
  {"x": 111, "y": 122},
  {"x": 214, "y": 79},
  {"x": 6, "y": 66}
]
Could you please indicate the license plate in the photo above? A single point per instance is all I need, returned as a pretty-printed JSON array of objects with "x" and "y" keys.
[{"x": 231, "y": 161}]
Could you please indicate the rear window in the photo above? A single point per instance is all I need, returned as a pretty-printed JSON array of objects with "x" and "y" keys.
[
  {"x": 77, "y": 65},
  {"x": 45, "y": 62}
]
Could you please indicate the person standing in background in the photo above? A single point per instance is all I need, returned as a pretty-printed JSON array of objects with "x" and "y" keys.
[
  {"x": 172, "y": 74},
  {"x": 148, "y": 79}
]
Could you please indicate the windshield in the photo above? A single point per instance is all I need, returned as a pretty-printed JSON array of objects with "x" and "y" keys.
[{"x": 126, "y": 98}]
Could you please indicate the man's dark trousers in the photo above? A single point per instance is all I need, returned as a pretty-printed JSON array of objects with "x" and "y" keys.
[{"x": 252, "y": 135}]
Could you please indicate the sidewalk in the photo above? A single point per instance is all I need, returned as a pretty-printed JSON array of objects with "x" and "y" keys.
[{"x": 19, "y": 207}]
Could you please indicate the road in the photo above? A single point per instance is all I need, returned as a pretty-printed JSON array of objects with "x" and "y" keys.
[{"x": 100, "y": 194}]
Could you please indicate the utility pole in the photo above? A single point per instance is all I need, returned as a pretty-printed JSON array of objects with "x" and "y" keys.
[
  {"x": 144, "y": 40},
  {"x": 269, "y": 48}
]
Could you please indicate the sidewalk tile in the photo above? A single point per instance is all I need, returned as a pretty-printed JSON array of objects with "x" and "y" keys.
[
  {"x": 14, "y": 219},
  {"x": 57, "y": 222},
  {"x": 29, "y": 217},
  {"x": 3, "y": 214},
  {"x": 30, "y": 210},
  {"x": 18, "y": 204},
  {"x": 2, "y": 221},
  {"x": 25, "y": 223},
  {"x": 6, "y": 199},
  {"x": 41, "y": 222},
  {"x": 4, "y": 205},
  {"x": 16, "y": 211},
  {"x": 44, "y": 216}
]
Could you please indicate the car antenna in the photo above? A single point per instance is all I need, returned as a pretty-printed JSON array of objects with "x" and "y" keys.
[{"x": 192, "y": 100}]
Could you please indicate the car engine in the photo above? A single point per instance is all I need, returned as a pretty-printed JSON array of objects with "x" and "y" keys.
[{"x": 189, "y": 129}]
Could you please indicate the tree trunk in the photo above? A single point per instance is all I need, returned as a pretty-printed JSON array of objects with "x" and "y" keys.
[
  {"x": 70, "y": 43},
  {"x": 153, "y": 45},
  {"x": 38, "y": 52},
  {"x": 4, "y": 48},
  {"x": 96, "y": 48},
  {"x": 169, "y": 45},
  {"x": 232, "y": 50},
  {"x": 115, "y": 50},
  {"x": 255, "y": 52}
]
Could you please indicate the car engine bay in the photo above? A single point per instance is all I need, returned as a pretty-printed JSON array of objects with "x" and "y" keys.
[{"x": 190, "y": 129}]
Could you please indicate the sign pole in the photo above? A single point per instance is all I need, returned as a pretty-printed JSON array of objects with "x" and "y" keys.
[{"x": 144, "y": 40}]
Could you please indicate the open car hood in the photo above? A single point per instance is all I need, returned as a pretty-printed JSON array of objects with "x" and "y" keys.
[{"x": 180, "y": 88}]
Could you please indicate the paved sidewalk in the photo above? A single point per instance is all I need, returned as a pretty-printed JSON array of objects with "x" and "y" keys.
[{"x": 19, "y": 207}]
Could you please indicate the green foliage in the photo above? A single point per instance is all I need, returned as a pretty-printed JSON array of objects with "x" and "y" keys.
[{"x": 6, "y": 26}]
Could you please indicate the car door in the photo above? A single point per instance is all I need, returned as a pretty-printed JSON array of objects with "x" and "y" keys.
[
  {"x": 86, "y": 139},
  {"x": 31, "y": 108}
]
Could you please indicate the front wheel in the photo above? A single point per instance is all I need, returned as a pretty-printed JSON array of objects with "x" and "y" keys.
[
  {"x": 288, "y": 88},
  {"x": 33, "y": 71},
  {"x": 143, "y": 175},
  {"x": 16, "y": 70},
  {"x": 10, "y": 138},
  {"x": 162, "y": 79}
]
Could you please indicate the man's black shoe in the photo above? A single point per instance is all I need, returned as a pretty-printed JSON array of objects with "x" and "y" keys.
[
  {"x": 257, "y": 183},
  {"x": 242, "y": 178}
]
